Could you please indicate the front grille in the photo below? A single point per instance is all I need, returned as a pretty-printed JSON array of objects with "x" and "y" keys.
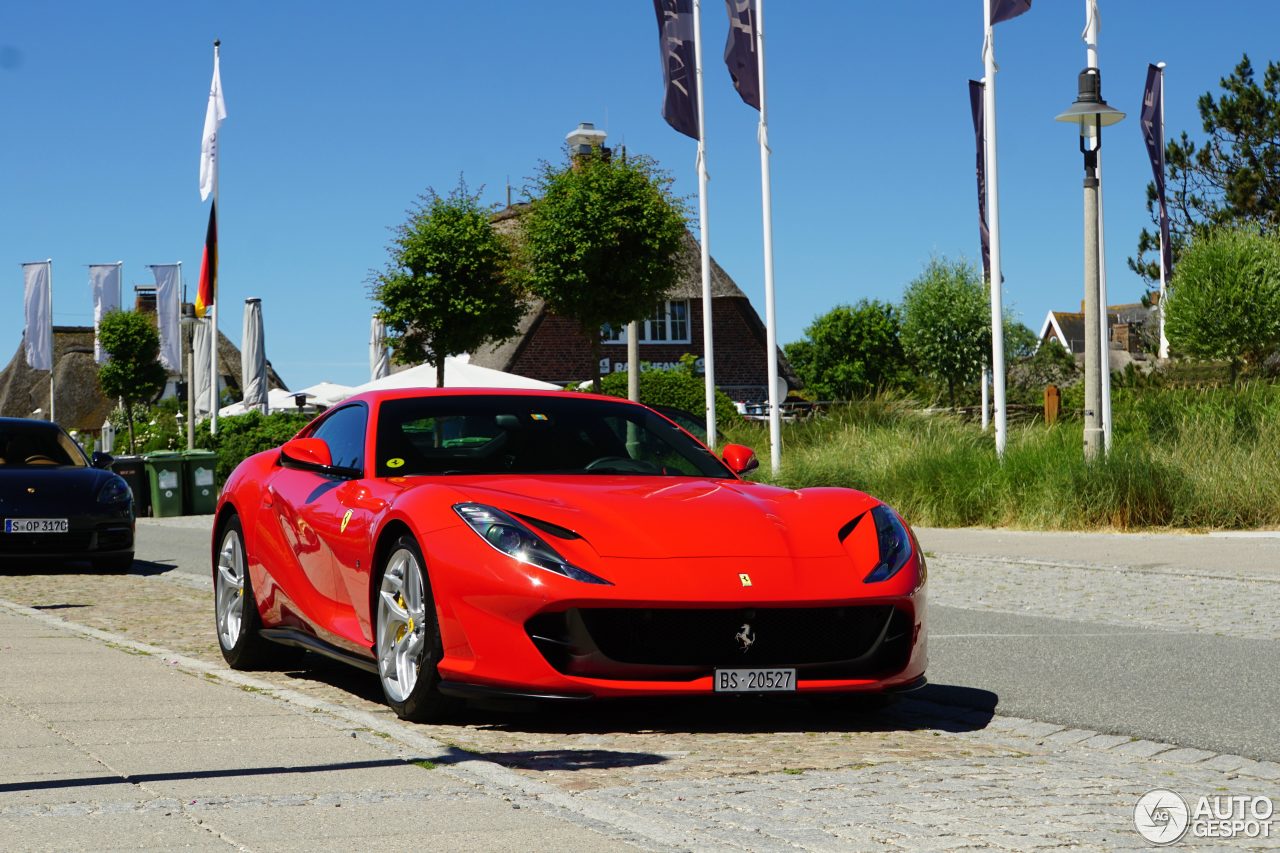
[
  {"x": 661, "y": 643},
  {"x": 46, "y": 543}
]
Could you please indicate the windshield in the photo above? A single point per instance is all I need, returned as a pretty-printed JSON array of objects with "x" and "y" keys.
[
  {"x": 36, "y": 444},
  {"x": 492, "y": 434}
]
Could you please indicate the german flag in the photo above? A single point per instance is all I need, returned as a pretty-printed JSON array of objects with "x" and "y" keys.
[{"x": 208, "y": 290}]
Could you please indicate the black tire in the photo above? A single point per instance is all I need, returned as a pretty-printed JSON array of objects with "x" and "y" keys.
[
  {"x": 241, "y": 644},
  {"x": 118, "y": 563},
  {"x": 410, "y": 682}
]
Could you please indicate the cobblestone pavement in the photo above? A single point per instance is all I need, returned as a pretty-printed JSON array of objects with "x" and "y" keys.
[{"x": 776, "y": 775}]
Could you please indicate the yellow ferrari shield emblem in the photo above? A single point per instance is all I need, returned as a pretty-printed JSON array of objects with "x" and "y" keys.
[
  {"x": 346, "y": 519},
  {"x": 745, "y": 578}
]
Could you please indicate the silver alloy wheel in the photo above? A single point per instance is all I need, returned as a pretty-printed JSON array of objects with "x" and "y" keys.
[
  {"x": 229, "y": 595},
  {"x": 401, "y": 629}
]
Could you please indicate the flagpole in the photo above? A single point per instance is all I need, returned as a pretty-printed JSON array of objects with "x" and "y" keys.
[
  {"x": 213, "y": 332},
  {"x": 708, "y": 346},
  {"x": 1164, "y": 273},
  {"x": 1090, "y": 36},
  {"x": 53, "y": 347},
  {"x": 766, "y": 195},
  {"x": 993, "y": 226}
]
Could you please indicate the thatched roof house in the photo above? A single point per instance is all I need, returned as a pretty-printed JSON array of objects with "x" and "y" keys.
[{"x": 553, "y": 348}]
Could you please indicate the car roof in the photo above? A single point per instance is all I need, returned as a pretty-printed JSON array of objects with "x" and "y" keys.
[
  {"x": 384, "y": 394},
  {"x": 30, "y": 423}
]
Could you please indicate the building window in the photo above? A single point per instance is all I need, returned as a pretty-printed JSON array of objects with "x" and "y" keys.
[{"x": 669, "y": 324}]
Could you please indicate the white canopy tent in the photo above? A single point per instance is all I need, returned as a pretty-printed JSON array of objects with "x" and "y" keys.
[{"x": 458, "y": 373}]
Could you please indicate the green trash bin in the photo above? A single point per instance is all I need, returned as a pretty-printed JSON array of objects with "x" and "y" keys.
[
  {"x": 164, "y": 475},
  {"x": 199, "y": 482}
]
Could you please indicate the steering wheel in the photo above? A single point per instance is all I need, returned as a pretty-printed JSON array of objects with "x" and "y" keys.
[
  {"x": 622, "y": 465},
  {"x": 40, "y": 459}
]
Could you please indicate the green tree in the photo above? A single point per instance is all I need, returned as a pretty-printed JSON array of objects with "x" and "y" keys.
[
  {"x": 946, "y": 324},
  {"x": 851, "y": 351},
  {"x": 601, "y": 240},
  {"x": 1225, "y": 299},
  {"x": 133, "y": 372},
  {"x": 446, "y": 288},
  {"x": 1233, "y": 179}
]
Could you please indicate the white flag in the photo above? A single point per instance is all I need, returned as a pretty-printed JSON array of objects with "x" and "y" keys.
[
  {"x": 104, "y": 281},
  {"x": 379, "y": 364},
  {"x": 201, "y": 364},
  {"x": 213, "y": 116},
  {"x": 168, "y": 306},
  {"x": 37, "y": 306}
]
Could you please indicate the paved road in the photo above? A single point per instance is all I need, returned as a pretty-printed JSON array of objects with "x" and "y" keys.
[{"x": 1077, "y": 661}]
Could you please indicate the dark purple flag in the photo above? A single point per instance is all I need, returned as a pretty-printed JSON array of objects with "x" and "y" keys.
[
  {"x": 1152, "y": 123},
  {"x": 675, "y": 34},
  {"x": 976, "y": 107},
  {"x": 740, "y": 50},
  {"x": 1003, "y": 10}
]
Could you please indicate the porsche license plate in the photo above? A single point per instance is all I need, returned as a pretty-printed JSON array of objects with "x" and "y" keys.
[
  {"x": 755, "y": 680},
  {"x": 35, "y": 525}
]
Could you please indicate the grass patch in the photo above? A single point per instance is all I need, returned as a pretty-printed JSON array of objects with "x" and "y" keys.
[
  {"x": 425, "y": 764},
  {"x": 1187, "y": 458}
]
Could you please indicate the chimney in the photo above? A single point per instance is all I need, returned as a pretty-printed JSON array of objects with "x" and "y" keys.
[
  {"x": 144, "y": 298},
  {"x": 584, "y": 139}
]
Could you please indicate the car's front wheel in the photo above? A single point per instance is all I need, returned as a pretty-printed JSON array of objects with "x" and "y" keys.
[
  {"x": 408, "y": 636},
  {"x": 235, "y": 609}
]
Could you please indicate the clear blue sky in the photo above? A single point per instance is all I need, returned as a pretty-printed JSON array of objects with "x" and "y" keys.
[{"x": 340, "y": 114}]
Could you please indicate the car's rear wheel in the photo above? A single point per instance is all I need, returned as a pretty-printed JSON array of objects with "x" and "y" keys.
[
  {"x": 235, "y": 608},
  {"x": 408, "y": 636}
]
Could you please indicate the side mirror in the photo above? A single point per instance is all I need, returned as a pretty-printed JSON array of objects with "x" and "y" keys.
[
  {"x": 740, "y": 459},
  {"x": 101, "y": 460},
  {"x": 308, "y": 452}
]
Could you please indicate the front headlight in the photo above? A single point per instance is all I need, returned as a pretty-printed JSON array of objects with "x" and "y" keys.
[
  {"x": 894, "y": 541},
  {"x": 505, "y": 533},
  {"x": 114, "y": 491}
]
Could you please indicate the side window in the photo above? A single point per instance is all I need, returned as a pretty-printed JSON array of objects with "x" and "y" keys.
[{"x": 343, "y": 431}]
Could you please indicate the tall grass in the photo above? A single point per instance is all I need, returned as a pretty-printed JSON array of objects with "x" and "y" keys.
[{"x": 1187, "y": 458}]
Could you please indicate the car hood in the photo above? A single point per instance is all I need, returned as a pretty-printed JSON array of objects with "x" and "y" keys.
[
  {"x": 49, "y": 491},
  {"x": 664, "y": 517}
]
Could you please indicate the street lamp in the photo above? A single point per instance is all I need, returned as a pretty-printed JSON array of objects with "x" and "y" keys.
[{"x": 1090, "y": 113}]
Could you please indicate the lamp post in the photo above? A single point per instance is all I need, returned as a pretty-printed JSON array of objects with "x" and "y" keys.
[{"x": 1090, "y": 113}]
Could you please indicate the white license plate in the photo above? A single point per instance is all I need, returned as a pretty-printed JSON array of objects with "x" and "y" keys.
[
  {"x": 35, "y": 525},
  {"x": 755, "y": 680}
]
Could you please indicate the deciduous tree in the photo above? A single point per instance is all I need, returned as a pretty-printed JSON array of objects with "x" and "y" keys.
[
  {"x": 133, "y": 372},
  {"x": 946, "y": 325},
  {"x": 1225, "y": 299},
  {"x": 851, "y": 351},
  {"x": 446, "y": 288},
  {"x": 600, "y": 241}
]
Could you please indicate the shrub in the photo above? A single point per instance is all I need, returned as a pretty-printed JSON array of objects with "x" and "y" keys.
[
  {"x": 681, "y": 388},
  {"x": 241, "y": 436}
]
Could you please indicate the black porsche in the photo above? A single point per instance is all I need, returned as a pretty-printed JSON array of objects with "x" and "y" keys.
[{"x": 57, "y": 505}]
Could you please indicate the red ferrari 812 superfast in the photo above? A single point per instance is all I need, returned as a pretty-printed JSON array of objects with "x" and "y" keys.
[{"x": 467, "y": 543}]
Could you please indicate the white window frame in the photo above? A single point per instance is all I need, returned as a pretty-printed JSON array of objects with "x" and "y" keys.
[{"x": 662, "y": 319}]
